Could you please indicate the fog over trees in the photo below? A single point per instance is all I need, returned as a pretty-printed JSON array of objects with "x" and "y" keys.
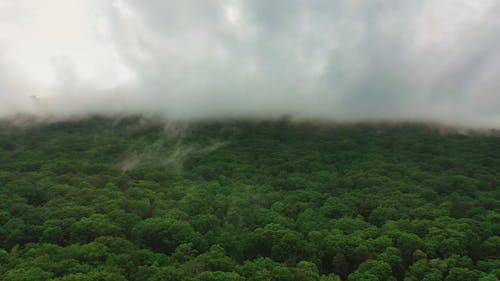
[
  {"x": 260, "y": 140},
  {"x": 345, "y": 60}
]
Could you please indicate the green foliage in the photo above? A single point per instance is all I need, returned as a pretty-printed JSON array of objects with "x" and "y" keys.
[
  {"x": 26, "y": 274},
  {"x": 218, "y": 276},
  {"x": 307, "y": 271},
  {"x": 132, "y": 199},
  {"x": 168, "y": 273}
]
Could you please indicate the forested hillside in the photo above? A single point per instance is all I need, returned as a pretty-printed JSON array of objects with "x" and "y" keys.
[{"x": 131, "y": 199}]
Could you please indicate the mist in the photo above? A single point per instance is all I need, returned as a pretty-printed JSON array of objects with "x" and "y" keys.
[{"x": 428, "y": 60}]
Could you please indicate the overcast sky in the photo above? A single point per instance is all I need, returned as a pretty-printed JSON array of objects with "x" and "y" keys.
[{"x": 344, "y": 60}]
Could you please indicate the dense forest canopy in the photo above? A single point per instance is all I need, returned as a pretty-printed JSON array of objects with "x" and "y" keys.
[{"x": 132, "y": 199}]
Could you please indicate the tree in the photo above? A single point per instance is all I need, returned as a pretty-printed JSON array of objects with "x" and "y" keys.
[
  {"x": 165, "y": 234},
  {"x": 26, "y": 274},
  {"x": 88, "y": 229},
  {"x": 216, "y": 260},
  {"x": 265, "y": 269},
  {"x": 462, "y": 274},
  {"x": 218, "y": 276},
  {"x": 372, "y": 268},
  {"x": 307, "y": 271},
  {"x": 168, "y": 273}
]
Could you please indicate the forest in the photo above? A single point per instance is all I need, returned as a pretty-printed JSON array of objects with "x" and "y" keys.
[{"x": 133, "y": 198}]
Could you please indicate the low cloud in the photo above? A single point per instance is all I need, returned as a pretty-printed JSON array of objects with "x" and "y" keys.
[{"x": 429, "y": 60}]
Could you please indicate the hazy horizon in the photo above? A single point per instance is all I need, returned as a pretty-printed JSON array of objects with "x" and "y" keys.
[{"x": 432, "y": 61}]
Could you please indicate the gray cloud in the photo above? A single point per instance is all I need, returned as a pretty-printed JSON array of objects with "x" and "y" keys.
[{"x": 433, "y": 60}]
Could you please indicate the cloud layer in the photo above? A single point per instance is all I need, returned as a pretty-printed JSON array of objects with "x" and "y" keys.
[{"x": 433, "y": 60}]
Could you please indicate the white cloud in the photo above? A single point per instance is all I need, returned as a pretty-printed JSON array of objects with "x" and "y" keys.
[{"x": 344, "y": 60}]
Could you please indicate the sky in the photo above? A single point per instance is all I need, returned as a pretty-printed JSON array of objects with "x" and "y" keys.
[{"x": 341, "y": 60}]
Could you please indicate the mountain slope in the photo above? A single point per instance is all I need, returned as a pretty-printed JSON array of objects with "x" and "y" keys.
[{"x": 134, "y": 199}]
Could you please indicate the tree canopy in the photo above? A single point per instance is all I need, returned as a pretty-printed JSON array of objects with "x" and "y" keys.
[{"x": 134, "y": 199}]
